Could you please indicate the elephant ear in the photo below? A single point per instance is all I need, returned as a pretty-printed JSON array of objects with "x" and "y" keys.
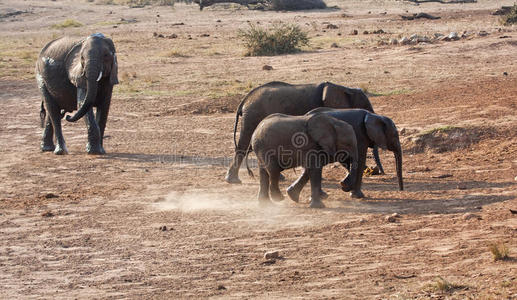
[
  {"x": 335, "y": 96},
  {"x": 358, "y": 99},
  {"x": 376, "y": 129},
  {"x": 75, "y": 68},
  {"x": 321, "y": 129},
  {"x": 114, "y": 65},
  {"x": 114, "y": 70}
]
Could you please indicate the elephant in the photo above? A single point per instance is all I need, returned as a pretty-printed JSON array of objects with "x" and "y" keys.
[
  {"x": 281, "y": 97},
  {"x": 370, "y": 130},
  {"x": 71, "y": 72},
  {"x": 282, "y": 142}
]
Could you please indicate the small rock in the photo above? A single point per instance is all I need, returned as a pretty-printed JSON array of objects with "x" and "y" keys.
[
  {"x": 218, "y": 21},
  {"x": 163, "y": 228},
  {"x": 365, "y": 32},
  {"x": 395, "y": 215},
  {"x": 51, "y": 195},
  {"x": 331, "y": 26},
  {"x": 205, "y": 35},
  {"x": 334, "y": 45},
  {"x": 453, "y": 36},
  {"x": 404, "y": 41},
  {"x": 462, "y": 186},
  {"x": 378, "y": 31},
  {"x": 267, "y": 67},
  {"x": 221, "y": 287},
  {"x": 172, "y": 36},
  {"x": 482, "y": 33},
  {"x": 362, "y": 221},
  {"x": 438, "y": 35},
  {"x": 469, "y": 216},
  {"x": 390, "y": 219},
  {"x": 515, "y": 178},
  {"x": 354, "y": 32},
  {"x": 394, "y": 41},
  {"x": 47, "y": 214},
  {"x": 272, "y": 255},
  {"x": 505, "y": 73}
]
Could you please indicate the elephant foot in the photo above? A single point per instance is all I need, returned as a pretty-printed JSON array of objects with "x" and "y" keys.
[
  {"x": 277, "y": 196},
  {"x": 316, "y": 204},
  {"x": 61, "y": 150},
  {"x": 47, "y": 148},
  {"x": 293, "y": 193},
  {"x": 345, "y": 185},
  {"x": 232, "y": 179},
  {"x": 323, "y": 195},
  {"x": 357, "y": 194},
  {"x": 97, "y": 149}
]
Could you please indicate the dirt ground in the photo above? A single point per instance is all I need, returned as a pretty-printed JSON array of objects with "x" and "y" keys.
[{"x": 81, "y": 226}]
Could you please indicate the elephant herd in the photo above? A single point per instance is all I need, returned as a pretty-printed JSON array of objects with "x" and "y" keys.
[{"x": 307, "y": 125}]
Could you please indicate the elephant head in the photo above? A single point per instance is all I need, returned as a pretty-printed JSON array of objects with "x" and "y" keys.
[
  {"x": 383, "y": 132},
  {"x": 92, "y": 62},
  {"x": 337, "y": 96},
  {"x": 337, "y": 139}
]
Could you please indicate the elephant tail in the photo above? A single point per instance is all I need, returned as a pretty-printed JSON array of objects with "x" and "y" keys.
[
  {"x": 237, "y": 114},
  {"x": 42, "y": 114},
  {"x": 250, "y": 173}
]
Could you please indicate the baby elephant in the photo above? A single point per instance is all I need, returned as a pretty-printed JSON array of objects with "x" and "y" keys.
[{"x": 282, "y": 142}]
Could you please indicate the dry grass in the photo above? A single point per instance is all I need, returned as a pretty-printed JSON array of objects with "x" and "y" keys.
[
  {"x": 67, "y": 24},
  {"x": 442, "y": 285},
  {"x": 499, "y": 251}
]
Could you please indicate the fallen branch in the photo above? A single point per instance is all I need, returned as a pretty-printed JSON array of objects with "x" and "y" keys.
[{"x": 420, "y": 16}]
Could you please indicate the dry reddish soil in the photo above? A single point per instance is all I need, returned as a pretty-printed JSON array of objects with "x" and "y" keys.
[{"x": 153, "y": 218}]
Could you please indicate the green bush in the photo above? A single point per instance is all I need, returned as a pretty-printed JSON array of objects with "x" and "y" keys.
[
  {"x": 280, "y": 39},
  {"x": 511, "y": 17}
]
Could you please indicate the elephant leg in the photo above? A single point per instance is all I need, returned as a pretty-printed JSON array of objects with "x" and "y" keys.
[
  {"x": 294, "y": 190},
  {"x": 94, "y": 136},
  {"x": 232, "y": 175},
  {"x": 47, "y": 143},
  {"x": 361, "y": 163},
  {"x": 315, "y": 178},
  {"x": 101, "y": 115},
  {"x": 263, "y": 195},
  {"x": 54, "y": 114},
  {"x": 274, "y": 177},
  {"x": 375, "y": 152}
]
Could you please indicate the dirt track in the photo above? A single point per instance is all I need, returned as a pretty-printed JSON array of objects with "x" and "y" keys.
[{"x": 82, "y": 226}]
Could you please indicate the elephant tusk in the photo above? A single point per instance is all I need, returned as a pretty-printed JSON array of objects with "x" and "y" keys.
[{"x": 100, "y": 76}]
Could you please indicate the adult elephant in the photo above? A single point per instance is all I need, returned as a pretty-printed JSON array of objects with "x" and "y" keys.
[
  {"x": 370, "y": 130},
  {"x": 71, "y": 72},
  {"x": 281, "y": 97},
  {"x": 282, "y": 142}
]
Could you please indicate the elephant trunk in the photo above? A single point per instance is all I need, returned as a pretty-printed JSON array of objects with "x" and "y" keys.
[
  {"x": 93, "y": 75},
  {"x": 398, "y": 161}
]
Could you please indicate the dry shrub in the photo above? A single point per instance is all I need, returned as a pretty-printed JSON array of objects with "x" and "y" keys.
[
  {"x": 280, "y": 39},
  {"x": 511, "y": 17},
  {"x": 297, "y": 4}
]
